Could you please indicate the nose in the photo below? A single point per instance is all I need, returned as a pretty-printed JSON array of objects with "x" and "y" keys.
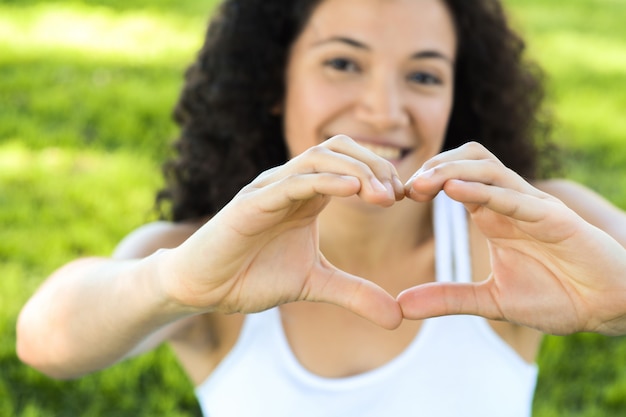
[{"x": 382, "y": 103}]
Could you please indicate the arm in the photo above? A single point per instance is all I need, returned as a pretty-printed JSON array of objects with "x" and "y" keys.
[
  {"x": 260, "y": 251},
  {"x": 592, "y": 207},
  {"x": 551, "y": 268},
  {"x": 94, "y": 312}
]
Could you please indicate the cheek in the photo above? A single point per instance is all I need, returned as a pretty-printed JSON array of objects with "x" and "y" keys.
[
  {"x": 433, "y": 120},
  {"x": 431, "y": 124},
  {"x": 297, "y": 130},
  {"x": 306, "y": 110}
]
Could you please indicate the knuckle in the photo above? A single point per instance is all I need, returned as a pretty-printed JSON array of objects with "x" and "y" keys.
[
  {"x": 474, "y": 147},
  {"x": 263, "y": 178},
  {"x": 441, "y": 169},
  {"x": 312, "y": 153},
  {"x": 436, "y": 166},
  {"x": 381, "y": 167},
  {"x": 432, "y": 162},
  {"x": 341, "y": 139},
  {"x": 493, "y": 163}
]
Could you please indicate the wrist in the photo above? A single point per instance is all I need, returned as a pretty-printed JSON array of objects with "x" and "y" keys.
[
  {"x": 170, "y": 289},
  {"x": 161, "y": 279}
]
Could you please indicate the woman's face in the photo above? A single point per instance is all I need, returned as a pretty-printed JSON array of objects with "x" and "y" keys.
[{"x": 379, "y": 71}]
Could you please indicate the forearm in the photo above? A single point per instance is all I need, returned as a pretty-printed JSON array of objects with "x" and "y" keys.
[{"x": 92, "y": 313}]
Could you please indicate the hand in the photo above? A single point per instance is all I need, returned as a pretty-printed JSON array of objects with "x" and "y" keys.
[
  {"x": 551, "y": 270},
  {"x": 261, "y": 250}
]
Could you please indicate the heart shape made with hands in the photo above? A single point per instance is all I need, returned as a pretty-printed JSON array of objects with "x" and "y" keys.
[{"x": 535, "y": 242}]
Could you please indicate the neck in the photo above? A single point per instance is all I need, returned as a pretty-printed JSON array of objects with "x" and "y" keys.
[{"x": 367, "y": 241}]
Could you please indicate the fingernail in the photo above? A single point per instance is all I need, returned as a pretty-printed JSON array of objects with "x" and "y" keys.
[
  {"x": 426, "y": 173},
  {"x": 406, "y": 184},
  {"x": 390, "y": 191},
  {"x": 398, "y": 187}
]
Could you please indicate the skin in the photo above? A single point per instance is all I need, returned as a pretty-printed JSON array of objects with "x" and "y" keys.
[
  {"x": 573, "y": 272},
  {"x": 382, "y": 84},
  {"x": 546, "y": 255}
]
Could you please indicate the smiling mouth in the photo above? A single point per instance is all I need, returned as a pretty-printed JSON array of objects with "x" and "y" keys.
[{"x": 390, "y": 153}]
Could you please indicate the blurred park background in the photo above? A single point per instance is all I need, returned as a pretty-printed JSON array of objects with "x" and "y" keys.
[{"x": 86, "y": 92}]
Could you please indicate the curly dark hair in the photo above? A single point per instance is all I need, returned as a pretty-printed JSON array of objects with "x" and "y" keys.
[{"x": 229, "y": 133}]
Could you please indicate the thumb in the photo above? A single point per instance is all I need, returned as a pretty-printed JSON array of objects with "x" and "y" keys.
[
  {"x": 442, "y": 299},
  {"x": 364, "y": 298}
]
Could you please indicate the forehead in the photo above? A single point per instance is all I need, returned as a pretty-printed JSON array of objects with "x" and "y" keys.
[{"x": 413, "y": 24}]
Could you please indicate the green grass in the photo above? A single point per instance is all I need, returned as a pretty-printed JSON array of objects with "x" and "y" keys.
[
  {"x": 86, "y": 91},
  {"x": 582, "y": 46}
]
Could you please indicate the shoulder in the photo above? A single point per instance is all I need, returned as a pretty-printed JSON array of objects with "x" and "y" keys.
[
  {"x": 589, "y": 205},
  {"x": 151, "y": 237},
  {"x": 563, "y": 189}
]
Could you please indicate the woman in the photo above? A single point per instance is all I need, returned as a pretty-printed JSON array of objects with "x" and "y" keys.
[{"x": 317, "y": 137}]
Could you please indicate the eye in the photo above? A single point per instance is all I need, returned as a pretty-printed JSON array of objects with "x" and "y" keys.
[
  {"x": 342, "y": 64},
  {"x": 424, "y": 78}
]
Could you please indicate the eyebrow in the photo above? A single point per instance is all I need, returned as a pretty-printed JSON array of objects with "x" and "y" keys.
[
  {"x": 432, "y": 54},
  {"x": 426, "y": 54}
]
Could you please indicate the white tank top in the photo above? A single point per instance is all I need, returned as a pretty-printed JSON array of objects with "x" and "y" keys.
[{"x": 456, "y": 366}]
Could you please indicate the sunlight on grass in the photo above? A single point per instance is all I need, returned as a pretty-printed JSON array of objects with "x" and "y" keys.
[
  {"x": 589, "y": 121},
  {"x": 58, "y": 203},
  {"x": 582, "y": 47},
  {"x": 98, "y": 31},
  {"x": 567, "y": 50},
  {"x": 585, "y": 74},
  {"x": 62, "y": 202},
  {"x": 87, "y": 104},
  {"x": 86, "y": 92},
  {"x": 587, "y": 17}
]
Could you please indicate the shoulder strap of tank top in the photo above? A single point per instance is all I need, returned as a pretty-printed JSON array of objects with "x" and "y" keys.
[{"x": 452, "y": 254}]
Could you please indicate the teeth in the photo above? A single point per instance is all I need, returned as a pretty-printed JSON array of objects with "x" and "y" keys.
[{"x": 390, "y": 153}]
